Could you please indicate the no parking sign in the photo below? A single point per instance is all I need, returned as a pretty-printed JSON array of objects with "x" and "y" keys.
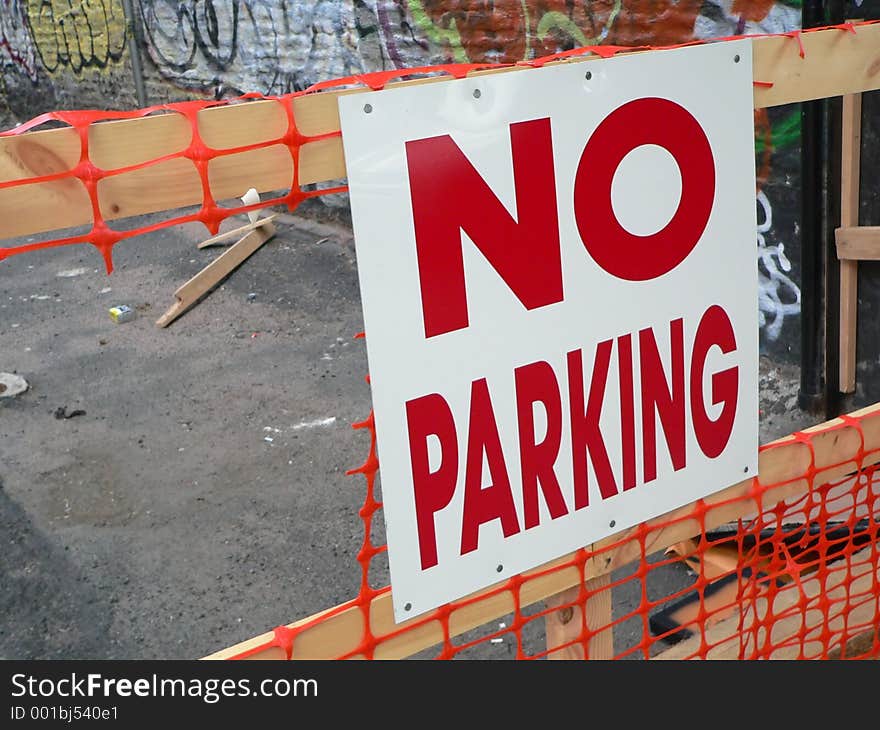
[{"x": 559, "y": 286}]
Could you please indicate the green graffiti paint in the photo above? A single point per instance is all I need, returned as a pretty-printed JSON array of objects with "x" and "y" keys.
[
  {"x": 437, "y": 35},
  {"x": 786, "y": 132}
]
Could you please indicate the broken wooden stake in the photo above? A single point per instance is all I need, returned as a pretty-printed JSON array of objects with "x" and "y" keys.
[
  {"x": 191, "y": 292},
  {"x": 221, "y": 238}
]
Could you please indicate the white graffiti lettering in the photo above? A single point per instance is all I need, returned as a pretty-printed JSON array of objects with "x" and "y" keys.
[{"x": 778, "y": 296}]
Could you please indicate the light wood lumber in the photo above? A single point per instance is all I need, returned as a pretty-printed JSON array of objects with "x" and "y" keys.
[
  {"x": 193, "y": 290},
  {"x": 858, "y": 243},
  {"x": 221, "y": 238},
  {"x": 850, "y": 157},
  {"x": 565, "y": 625}
]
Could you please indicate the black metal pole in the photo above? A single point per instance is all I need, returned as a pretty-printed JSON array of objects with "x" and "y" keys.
[
  {"x": 820, "y": 200},
  {"x": 831, "y": 220},
  {"x": 811, "y": 395},
  {"x": 832, "y": 123},
  {"x": 132, "y": 31}
]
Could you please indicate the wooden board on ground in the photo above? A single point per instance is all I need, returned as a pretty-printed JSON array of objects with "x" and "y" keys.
[
  {"x": 202, "y": 283},
  {"x": 222, "y": 238}
]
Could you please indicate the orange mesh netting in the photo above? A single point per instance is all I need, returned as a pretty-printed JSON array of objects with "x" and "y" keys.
[
  {"x": 87, "y": 174},
  {"x": 781, "y": 565}
]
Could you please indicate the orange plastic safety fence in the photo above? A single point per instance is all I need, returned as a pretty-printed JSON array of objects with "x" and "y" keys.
[
  {"x": 104, "y": 236},
  {"x": 794, "y": 577}
]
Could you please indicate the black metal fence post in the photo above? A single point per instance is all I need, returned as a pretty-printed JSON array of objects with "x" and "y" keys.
[{"x": 820, "y": 201}]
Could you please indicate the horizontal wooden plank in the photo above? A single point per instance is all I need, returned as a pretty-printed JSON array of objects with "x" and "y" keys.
[
  {"x": 858, "y": 243},
  {"x": 834, "y": 449},
  {"x": 835, "y": 62},
  {"x": 166, "y": 185}
]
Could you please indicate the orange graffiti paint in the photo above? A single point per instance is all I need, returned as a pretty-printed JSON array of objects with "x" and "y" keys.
[
  {"x": 764, "y": 131},
  {"x": 655, "y": 22},
  {"x": 490, "y": 32},
  {"x": 507, "y": 31},
  {"x": 753, "y": 10}
]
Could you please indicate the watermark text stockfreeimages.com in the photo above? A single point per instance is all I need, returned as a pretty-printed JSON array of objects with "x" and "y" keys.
[{"x": 210, "y": 690}]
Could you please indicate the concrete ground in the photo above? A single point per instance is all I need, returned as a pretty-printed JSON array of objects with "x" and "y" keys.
[{"x": 200, "y": 498}]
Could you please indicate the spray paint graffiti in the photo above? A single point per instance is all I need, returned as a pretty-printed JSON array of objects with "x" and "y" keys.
[
  {"x": 720, "y": 18},
  {"x": 671, "y": 22},
  {"x": 506, "y": 31},
  {"x": 251, "y": 45},
  {"x": 385, "y": 31},
  {"x": 75, "y": 35},
  {"x": 399, "y": 36},
  {"x": 515, "y": 30},
  {"x": 15, "y": 41},
  {"x": 778, "y": 296},
  {"x": 276, "y": 46}
]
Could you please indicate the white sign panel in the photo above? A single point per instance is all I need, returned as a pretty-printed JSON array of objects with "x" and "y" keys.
[{"x": 559, "y": 285}]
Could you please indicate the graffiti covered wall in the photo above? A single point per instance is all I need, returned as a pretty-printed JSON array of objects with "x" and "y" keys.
[
  {"x": 62, "y": 54},
  {"x": 235, "y": 46},
  {"x": 277, "y": 46},
  {"x": 58, "y": 54}
]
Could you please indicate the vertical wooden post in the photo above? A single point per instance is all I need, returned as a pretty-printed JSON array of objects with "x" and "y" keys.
[
  {"x": 565, "y": 624},
  {"x": 849, "y": 216}
]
